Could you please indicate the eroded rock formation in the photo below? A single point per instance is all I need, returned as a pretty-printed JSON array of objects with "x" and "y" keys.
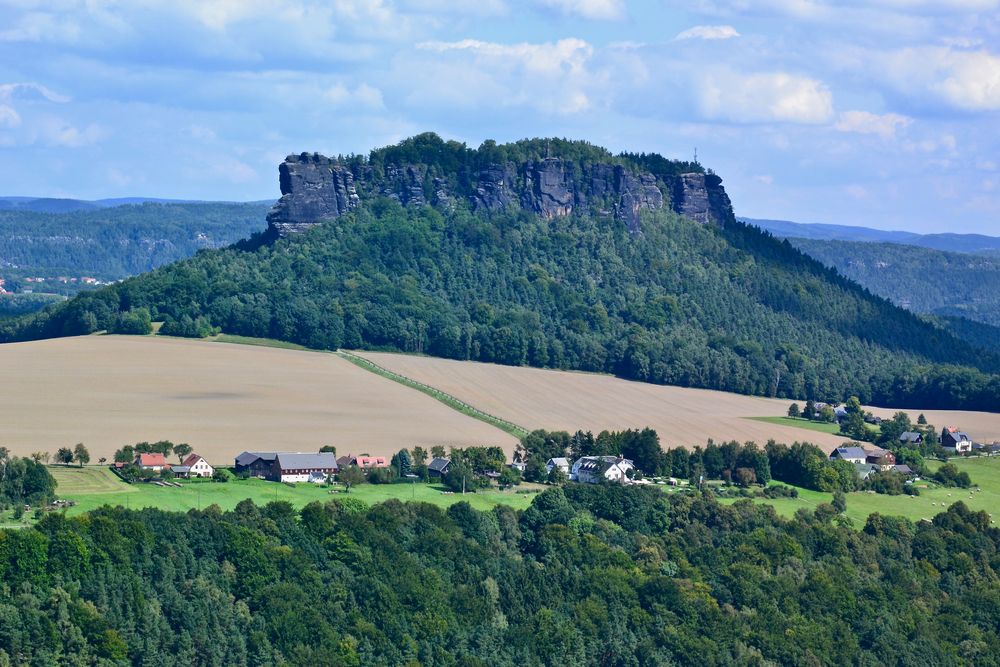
[{"x": 316, "y": 188}]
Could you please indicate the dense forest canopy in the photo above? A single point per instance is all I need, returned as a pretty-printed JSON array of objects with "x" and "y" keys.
[{"x": 589, "y": 575}]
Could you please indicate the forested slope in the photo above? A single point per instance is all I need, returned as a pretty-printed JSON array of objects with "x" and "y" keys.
[
  {"x": 921, "y": 279},
  {"x": 669, "y": 300},
  {"x": 593, "y": 575},
  {"x": 117, "y": 241}
]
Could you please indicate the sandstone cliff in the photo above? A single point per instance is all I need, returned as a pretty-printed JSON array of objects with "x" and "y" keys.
[{"x": 315, "y": 188}]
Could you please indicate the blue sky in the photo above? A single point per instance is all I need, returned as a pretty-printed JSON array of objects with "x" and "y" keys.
[{"x": 881, "y": 113}]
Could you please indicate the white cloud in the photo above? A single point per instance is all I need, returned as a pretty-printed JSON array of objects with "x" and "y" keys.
[
  {"x": 56, "y": 132},
  {"x": 9, "y": 90},
  {"x": 864, "y": 122},
  {"x": 9, "y": 117},
  {"x": 764, "y": 97},
  {"x": 363, "y": 95},
  {"x": 967, "y": 80},
  {"x": 708, "y": 32},
  {"x": 552, "y": 77},
  {"x": 588, "y": 9}
]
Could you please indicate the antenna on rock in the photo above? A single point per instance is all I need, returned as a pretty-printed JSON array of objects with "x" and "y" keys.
[{"x": 696, "y": 155}]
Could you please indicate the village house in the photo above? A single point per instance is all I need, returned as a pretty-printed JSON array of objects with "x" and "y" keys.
[
  {"x": 560, "y": 462},
  {"x": 303, "y": 467},
  {"x": 911, "y": 437},
  {"x": 594, "y": 469},
  {"x": 856, "y": 455},
  {"x": 438, "y": 467},
  {"x": 364, "y": 461},
  {"x": 865, "y": 470},
  {"x": 882, "y": 458},
  {"x": 959, "y": 441},
  {"x": 154, "y": 462},
  {"x": 194, "y": 466}
]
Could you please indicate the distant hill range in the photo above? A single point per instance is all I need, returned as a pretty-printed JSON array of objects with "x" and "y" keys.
[
  {"x": 59, "y": 246},
  {"x": 965, "y": 243},
  {"x": 548, "y": 253},
  {"x": 59, "y": 205}
]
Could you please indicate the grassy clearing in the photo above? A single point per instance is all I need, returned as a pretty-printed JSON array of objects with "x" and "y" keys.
[
  {"x": 985, "y": 473},
  {"x": 94, "y": 486},
  {"x": 443, "y": 397},
  {"x": 259, "y": 342},
  {"x": 798, "y": 422}
]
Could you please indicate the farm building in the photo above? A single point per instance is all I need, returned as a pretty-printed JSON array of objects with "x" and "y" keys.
[
  {"x": 560, "y": 462},
  {"x": 303, "y": 467},
  {"x": 952, "y": 438},
  {"x": 256, "y": 464},
  {"x": 438, "y": 467}
]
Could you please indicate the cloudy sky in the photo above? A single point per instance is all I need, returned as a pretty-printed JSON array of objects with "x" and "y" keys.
[{"x": 883, "y": 113}]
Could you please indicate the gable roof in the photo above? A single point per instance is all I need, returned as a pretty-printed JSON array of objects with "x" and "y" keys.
[
  {"x": 306, "y": 460},
  {"x": 247, "y": 458},
  {"x": 439, "y": 464},
  {"x": 598, "y": 465},
  {"x": 371, "y": 461},
  {"x": 849, "y": 453},
  {"x": 911, "y": 436},
  {"x": 152, "y": 460},
  {"x": 558, "y": 461},
  {"x": 192, "y": 459}
]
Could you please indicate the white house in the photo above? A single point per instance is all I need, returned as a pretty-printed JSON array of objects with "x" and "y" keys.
[
  {"x": 593, "y": 469},
  {"x": 560, "y": 462},
  {"x": 197, "y": 466},
  {"x": 856, "y": 455}
]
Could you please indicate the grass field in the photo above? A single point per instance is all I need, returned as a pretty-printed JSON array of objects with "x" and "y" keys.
[
  {"x": 94, "y": 486},
  {"x": 109, "y": 391},
  {"x": 798, "y": 422},
  {"x": 985, "y": 473}
]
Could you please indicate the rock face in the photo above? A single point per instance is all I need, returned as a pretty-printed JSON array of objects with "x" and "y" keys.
[{"x": 316, "y": 188}]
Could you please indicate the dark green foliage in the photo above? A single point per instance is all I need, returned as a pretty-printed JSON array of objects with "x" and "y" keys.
[
  {"x": 922, "y": 279},
  {"x": 682, "y": 303},
  {"x": 24, "y": 481},
  {"x": 950, "y": 475},
  {"x": 589, "y": 575}
]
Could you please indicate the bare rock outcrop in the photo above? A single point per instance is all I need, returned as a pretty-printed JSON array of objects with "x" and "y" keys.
[{"x": 316, "y": 188}]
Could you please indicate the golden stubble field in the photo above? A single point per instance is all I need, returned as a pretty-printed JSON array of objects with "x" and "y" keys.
[
  {"x": 108, "y": 391},
  {"x": 537, "y": 398}
]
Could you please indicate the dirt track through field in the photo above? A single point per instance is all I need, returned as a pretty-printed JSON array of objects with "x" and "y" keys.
[
  {"x": 108, "y": 391},
  {"x": 536, "y": 398}
]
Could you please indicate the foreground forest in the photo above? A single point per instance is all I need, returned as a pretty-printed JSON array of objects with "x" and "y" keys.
[{"x": 589, "y": 575}]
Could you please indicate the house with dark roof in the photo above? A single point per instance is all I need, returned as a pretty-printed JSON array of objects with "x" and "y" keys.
[
  {"x": 882, "y": 458},
  {"x": 303, "y": 466},
  {"x": 256, "y": 464},
  {"x": 154, "y": 462},
  {"x": 438, "y": 467},
  {"x": 594, "y": 469},
  {"x": 904, "y": 470},
  {"x": 855, "y": 455},
  {"x": 952, "y": 438},
  {"x": 911, "y": 437}
]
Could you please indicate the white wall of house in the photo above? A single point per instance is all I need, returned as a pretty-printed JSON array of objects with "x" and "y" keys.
[{"x": 202, "y": 469}]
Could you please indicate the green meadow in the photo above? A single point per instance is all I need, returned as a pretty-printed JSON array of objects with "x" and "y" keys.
[{"x": 94, "y": 486}]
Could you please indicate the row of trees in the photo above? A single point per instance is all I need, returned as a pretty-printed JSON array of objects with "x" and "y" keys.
[{"x": 588, "y": 575}]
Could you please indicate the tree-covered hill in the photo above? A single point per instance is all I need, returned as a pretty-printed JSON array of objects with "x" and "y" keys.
[
  {"x": 114, "y": 242},
  {"x": 593, "y": 575},
  {"x": 920, "y": 279},
  {"x": 722, "y": 306}
]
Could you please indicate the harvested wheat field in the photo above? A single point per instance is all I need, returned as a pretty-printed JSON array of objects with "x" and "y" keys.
[
  {"x": 556, "y": 400},
  {"x": 108, "y": 391}
]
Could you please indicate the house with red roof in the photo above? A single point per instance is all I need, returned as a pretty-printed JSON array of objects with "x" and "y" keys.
[
  {"x": 194, "y": 466},
  {"x": 154, "y": 462}
]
